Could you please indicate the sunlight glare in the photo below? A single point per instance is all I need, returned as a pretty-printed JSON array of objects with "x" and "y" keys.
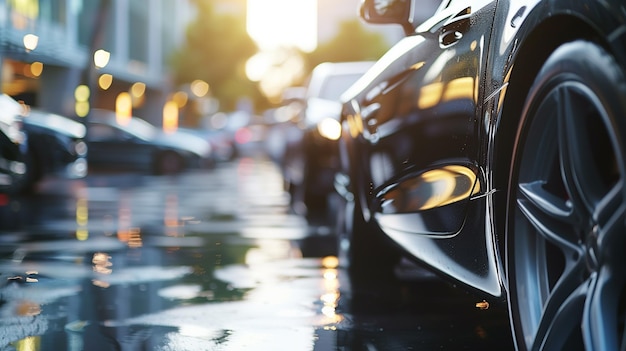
[{"x": 276, "y": 23}]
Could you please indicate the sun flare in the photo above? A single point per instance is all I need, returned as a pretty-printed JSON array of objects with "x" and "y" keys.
[{"x": 276, "y": 23}]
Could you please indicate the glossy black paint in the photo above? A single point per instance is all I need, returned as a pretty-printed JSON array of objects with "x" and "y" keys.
[
  {"x": 13, "y": 145},
  {"x": 10, "y": 152},
  {"x": 56, "y": 146},
  {"x": 451, "y": 94},
  {"x": 43, "y": 144}
]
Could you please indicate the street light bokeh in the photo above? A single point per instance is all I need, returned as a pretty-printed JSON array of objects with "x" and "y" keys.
[
  {"x": 138, "y": 93},
  {"x": 105, "y": 81},
  {"x": 123, "y": 108},
  {"x": 170, "y": 117},
  {"x": 36, "y": 68},
  {"x": 81, "y": 95},
  {"x": 30, "y": 42},
  {"x": 199, "y": 88},
  {"x": 101, "y": 58},
  {"x": 181, "y": 98}
]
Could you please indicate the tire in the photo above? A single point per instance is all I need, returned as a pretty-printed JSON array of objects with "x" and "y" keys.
[
  {"x": 26, "y": 183},
  {"x": 565, "y": 231},
  {"x": 308, "y": 197},
  {"x": 364, "y": 252},
  {"x": 313, "y": 194},
  {"x": 294, "y": 175},
  {"x": 168, "y": 163}
]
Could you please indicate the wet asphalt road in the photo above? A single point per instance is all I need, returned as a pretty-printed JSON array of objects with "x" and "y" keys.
[{"x": 207, "y": 260}]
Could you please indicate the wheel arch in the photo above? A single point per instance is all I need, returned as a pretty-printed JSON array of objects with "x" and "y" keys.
[
  {"x": 536, "y": 47},
  {"x": 160, "y": 154},
  {"x": 589, "y": 62}
]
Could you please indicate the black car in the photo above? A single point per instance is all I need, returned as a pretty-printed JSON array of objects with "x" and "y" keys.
[
  {"x": 56, "y": 147},
  {"x": 37, "y": 144},
  {"x": 489, "y": 145},
  {"x": 134, "y": 144},
  {"x": 13, "y": 146}
]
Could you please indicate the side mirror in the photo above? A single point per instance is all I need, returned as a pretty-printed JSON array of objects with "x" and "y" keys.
[{"x": 388, "y": 12}]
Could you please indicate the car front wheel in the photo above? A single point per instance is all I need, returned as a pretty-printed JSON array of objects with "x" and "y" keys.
[
  {"x": 168, "y": 163},
  {"x": 566, "y": 247}
]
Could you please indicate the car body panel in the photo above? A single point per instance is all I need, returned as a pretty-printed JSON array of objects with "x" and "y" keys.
[
  {"x": 122, "y": 149},
  {"x": 222, "y": 142},
  {"x": 405, "y": 119},
  {"x": 439, "y": 98},
  {"x": 137, "y": 144}
]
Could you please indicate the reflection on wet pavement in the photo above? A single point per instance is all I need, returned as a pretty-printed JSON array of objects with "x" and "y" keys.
[
  {"x": 208, "y": 260},
  {"x": 134, "y": 262}
]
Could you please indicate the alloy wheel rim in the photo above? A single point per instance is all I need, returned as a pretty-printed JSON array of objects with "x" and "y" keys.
[{"x": 568, "y": 244}]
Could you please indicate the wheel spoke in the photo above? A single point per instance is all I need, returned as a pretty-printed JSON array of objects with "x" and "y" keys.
[
  {"x": 611, "y": 241},
  {"x": 546, "y": 202},
  {"x": 561, "y": 316},
  {"x": 609, "y": 204},
  {"x": 580, "y": 176},
  {"x": 602, "y": 310},
  {"x": 548, "y": 214},
  {"x": 601, "y": 313}
]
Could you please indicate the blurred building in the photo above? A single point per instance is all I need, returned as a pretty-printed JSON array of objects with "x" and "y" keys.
[{"x": 138, "y": 34}]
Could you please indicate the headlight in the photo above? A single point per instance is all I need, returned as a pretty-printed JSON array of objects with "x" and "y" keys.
[
  {"x": 17, "y": 167},
  {"x": 15, "y": 132},
  {"x": 80, "y": 148},
  {"x": 329, "y": 128},
  {"x": 77, "y": 169}
]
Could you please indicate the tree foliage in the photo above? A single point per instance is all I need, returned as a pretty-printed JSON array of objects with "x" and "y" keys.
[
  {"x": 353, "y": 42},
  {"x": 216, "y": 49}
]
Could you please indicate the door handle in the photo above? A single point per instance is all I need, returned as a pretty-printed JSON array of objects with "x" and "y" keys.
[{"x": 452, "y": 31}]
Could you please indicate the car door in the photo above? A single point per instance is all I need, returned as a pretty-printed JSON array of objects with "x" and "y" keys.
[
  {"x": 416, "y": 117},
  {"x": 113, "y": 148}
]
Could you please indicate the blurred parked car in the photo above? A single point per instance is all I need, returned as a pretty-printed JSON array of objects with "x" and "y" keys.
[
  {"x": 284, "y": 131},
  {"x": 311, "y": 162},
  {"x": 490, "y": 146},
  {"x": 222, "y": 143},
  {"x": 13, "y": 145},
  {"x": 219, "y": 130},
  {"x": 56, "y": 147},
  {"x": 279, "y": 137},
  {"x": 140, "y": 146},
  {"x": 250, "y": 138},
  {"x": 247, "y": 132}
]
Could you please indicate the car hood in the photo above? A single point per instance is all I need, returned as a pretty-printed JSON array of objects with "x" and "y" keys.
[
  {"x": 184, "y": 141},
  {"x": 57, "y": 123}
]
